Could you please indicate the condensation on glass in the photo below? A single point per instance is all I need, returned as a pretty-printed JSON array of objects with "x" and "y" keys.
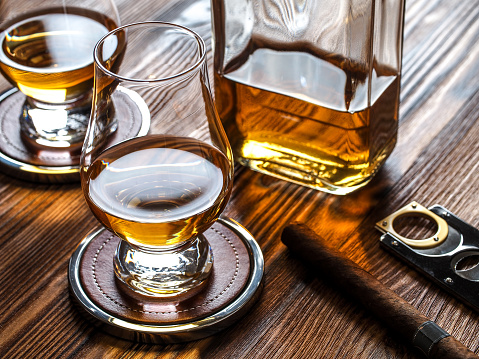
[{"x": 308, "y": 91}]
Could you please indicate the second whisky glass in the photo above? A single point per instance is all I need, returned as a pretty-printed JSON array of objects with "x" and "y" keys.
[
  {"x": 46, "y": 52},
  {"x": 161, "y": 191}
]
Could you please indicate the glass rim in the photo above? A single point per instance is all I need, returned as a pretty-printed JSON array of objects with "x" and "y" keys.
[{"x": 192, "y": 68}]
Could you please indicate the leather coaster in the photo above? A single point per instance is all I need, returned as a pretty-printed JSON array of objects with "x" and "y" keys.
[
  {"x": 130, "y": 121},
  {"x": 230, "y": 273}
]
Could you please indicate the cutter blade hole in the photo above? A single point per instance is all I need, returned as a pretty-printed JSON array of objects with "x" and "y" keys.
[
  {"x": 468, "y": 263},
  {"x": 415, "y": 227}
]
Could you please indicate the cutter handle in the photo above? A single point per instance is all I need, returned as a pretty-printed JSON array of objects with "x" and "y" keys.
[{"x": 384, "y": 303}]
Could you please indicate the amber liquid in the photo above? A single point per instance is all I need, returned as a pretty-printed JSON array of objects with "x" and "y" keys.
[
  {"x": 158, "y": 190},
  {"x": 49, "y": 55},
  {"x": 308, "y": 119}
]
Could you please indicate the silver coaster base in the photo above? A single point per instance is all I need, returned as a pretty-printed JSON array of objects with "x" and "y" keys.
[
  {"x": 52, "y": 165},
  {"x": 164, "y": 333}
]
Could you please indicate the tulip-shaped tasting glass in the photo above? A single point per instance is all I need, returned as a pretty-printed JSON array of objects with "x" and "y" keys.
[
  {"x": 46, "y": 53},
  {"x": 158, "y": 192}
]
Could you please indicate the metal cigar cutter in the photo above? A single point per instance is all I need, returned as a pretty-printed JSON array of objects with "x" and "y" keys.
[{"x": 439, "y": 255}]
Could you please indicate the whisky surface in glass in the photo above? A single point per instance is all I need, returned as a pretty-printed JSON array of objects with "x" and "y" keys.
[
  {"x": 49, "y": 54},
  {"x": 158, "y": 191}
]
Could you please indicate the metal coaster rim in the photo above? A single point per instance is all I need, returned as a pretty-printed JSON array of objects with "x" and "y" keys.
[{"x": 173, "y": 333}]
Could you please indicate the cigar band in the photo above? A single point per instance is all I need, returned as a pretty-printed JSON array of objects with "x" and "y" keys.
[{"x": 428, "y": 334}]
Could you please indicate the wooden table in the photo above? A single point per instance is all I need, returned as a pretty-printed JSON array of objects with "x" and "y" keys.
[{"x": 298, "y": 315}]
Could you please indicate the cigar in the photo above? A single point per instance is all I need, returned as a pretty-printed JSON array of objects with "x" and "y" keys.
[{"x": 385, "y": 304}]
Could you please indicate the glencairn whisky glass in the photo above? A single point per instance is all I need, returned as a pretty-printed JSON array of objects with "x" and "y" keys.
[
  {"x": 160, "y": 191},
  {"x": 47, "y": 54}
]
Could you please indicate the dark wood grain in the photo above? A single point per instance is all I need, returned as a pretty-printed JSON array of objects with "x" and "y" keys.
[{"x": 436, "y": 160}]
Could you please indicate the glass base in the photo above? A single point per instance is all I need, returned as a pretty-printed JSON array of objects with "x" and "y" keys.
[
  {"x": 60, "y": 126},
  {"x": 164, "y": 273}
]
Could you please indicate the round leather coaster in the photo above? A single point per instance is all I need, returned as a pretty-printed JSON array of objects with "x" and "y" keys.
[
  {"x": 56, "y": 163},
  {"x": 230, "y": 273}
]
